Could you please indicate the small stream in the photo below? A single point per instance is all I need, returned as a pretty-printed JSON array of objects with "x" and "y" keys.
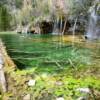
[{"x": 47, "y": 53}]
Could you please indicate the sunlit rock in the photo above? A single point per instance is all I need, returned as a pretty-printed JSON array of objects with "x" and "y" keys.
[
  {"x": 27, "y": 97},
  {"x": 82, "y": 98},
  {"x": 60, "y": 98},
  {"x": 31, "y": 82},
  {"x": 44, "y": 75},
  {"x": 1, "y": 66},
  {"x": 83, "y": 90},
  {"x": 59, "y": 83},
  {"x": 1, "y": 61}
]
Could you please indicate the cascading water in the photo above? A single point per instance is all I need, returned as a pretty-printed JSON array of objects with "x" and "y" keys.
[
  {"x": 55, "y": 28},
  {"x": 59, "y": 10},
  {"x": 94, "y": 24}
]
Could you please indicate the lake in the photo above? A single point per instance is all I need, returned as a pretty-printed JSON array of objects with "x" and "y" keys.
[{"x": 48, "y": 53}]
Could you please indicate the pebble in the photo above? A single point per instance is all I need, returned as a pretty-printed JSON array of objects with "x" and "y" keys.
[
  {"x": 27, "y": 97},
  {"x": 59, "y": 83},
  {"x": 60, "y": 98},
  {"x": 31, "y": 82},
  {"x": 82, "y": 98},
  {"x": 83, "y": 90}
]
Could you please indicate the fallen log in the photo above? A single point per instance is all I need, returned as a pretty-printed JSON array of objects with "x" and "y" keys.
[
  {"x": 2, "y": 76},
  {"x": 5, "y": 62}
]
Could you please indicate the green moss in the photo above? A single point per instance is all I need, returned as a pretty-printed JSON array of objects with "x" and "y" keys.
[{"x": 56, "y": 85}]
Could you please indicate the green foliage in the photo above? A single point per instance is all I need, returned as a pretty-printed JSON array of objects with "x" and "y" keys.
[
  {"x": 18, "y": 3},
  {"x": 79, "y": 7},
  {"x": 51, "y": 80},
  {"x": 58, "y": 85},
  {"x": 38, "y": 10},
  {"x": 5, "y": 19}
]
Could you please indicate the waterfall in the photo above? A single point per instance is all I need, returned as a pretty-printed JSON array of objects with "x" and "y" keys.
[
  {"x": 60, "y": 10},
  {"x": 74, "y": 27},
  {"x": 94, "y": 25},
  {"x": 55, "y": 28}
]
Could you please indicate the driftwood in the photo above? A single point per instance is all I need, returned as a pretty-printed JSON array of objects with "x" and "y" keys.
[
  {"x": 57, "y": 63},
  {"x": 71, "y": 63}
]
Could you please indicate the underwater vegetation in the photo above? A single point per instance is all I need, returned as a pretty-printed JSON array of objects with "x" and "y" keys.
[{"x": 52, "y": 67}]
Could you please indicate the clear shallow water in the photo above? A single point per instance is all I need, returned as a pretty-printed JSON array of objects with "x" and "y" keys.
[{"x": 49, "y": 53}]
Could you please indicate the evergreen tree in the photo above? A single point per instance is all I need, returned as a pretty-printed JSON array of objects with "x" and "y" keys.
[{"x": 5, "y": 18}]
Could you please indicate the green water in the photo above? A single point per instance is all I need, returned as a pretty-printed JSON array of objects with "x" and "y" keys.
[{"x": 49, "y": 53}]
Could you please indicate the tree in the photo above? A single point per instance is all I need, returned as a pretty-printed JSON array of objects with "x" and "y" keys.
[{"x": 4, "y": 19}]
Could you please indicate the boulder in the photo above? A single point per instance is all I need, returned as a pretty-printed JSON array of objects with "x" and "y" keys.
[{"x": 27, "y": 97}]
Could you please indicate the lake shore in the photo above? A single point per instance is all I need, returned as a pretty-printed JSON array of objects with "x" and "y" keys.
[{"x": 8, "y": 32}]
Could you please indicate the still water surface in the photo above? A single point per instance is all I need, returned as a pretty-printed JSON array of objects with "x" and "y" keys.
[{"x": 49, "y": 53}]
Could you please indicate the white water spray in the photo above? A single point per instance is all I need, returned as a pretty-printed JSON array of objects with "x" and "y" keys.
[{"x": 94, "y": 27}]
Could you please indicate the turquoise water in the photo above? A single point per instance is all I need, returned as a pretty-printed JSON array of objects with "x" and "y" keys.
[{"x": 49, "y": 53}]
